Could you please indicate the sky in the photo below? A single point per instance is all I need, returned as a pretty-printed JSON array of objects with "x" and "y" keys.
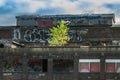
[{"x": 11, "y": 8}]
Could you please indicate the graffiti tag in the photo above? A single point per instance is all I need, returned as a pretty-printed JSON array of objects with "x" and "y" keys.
[
  {"x": 43, "y": 35},
  {"x": 36, "y": 35}
]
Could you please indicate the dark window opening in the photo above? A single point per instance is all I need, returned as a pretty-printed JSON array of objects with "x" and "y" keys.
[
  {"x": 1, "y": 45},
  {"x": 12, "y": 64},
  {"x": 45, "y": 64},
  {"x": 63, "y": 65},
  {"x": 37, "y": 65}
]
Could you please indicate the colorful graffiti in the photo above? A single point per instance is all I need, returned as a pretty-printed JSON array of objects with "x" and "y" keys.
[{"x": 45, "y": 23}]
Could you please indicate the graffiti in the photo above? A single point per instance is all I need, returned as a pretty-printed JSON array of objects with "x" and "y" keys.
[
  {"x": 36, "y": 35},
  {"x": 16, "y": 34},
  {"x": 85, "y": 31},
  {"x": 45, "y": 23},
  {"x": 43, "y": 35},
  {"x": 5, "y": 42},
  {"x": 72, "y": 34},
  {"x": 76, "y": 35}
]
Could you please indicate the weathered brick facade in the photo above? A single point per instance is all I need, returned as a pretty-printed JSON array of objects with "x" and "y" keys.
[
  {"x": 80, "y": 36},
  {"x": 91, "y": 54},
  {"x": 19, "y": 63}
]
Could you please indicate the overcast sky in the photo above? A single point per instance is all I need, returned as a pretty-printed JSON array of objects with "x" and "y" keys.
[{"x": 11, "y": 8}]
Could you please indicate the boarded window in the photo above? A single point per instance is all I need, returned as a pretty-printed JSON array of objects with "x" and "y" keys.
[
  {"x": 95, "y": 67},
  {"x": 110, "y": 67},
  {"x": 89, "y": 65},
  {"x": 84, "y": 67}
]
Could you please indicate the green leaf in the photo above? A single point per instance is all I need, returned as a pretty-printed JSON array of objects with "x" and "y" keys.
[{"x": 59, "y": 34}]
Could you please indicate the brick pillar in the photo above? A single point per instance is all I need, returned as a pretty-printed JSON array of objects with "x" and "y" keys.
[
  {"x": 1, "y": 67},
  {"x": 25, "y": 70},
  {"x": 102, "y": 67},
  {"x": 50, "y": 68},
  {"x": 76, "y": 62}
]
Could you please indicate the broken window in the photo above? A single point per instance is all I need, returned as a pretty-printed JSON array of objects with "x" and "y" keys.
[
  {"x": 37, "y": 65},
  {"x": 12, "y": 64},
  {"x": 63, "y": 65}
]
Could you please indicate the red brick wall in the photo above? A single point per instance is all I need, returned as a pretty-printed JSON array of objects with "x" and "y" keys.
[{"x": 6, "y": 33}]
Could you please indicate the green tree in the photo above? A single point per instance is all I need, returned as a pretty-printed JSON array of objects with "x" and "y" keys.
[{"x": 59, "y": 34}]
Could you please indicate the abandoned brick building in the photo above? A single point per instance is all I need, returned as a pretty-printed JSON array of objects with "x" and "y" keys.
[{"x": 93, "y": 53}]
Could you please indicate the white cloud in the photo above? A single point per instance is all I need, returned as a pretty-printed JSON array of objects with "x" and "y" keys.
[
  {"x": 95, "y": 7},
  {"x": 99, "y": 2},
  {"x": 67, "y": 6},
  {"x": 35, "y": 5},
  {"x": 72, "y": 7},
  {"x": 2, "y": 2}
]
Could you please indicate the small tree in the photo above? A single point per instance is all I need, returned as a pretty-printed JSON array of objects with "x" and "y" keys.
[{"x": 59, "y": 34}]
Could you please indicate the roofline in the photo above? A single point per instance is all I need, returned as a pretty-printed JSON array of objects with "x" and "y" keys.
[{"x": 83, "y": 15}]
